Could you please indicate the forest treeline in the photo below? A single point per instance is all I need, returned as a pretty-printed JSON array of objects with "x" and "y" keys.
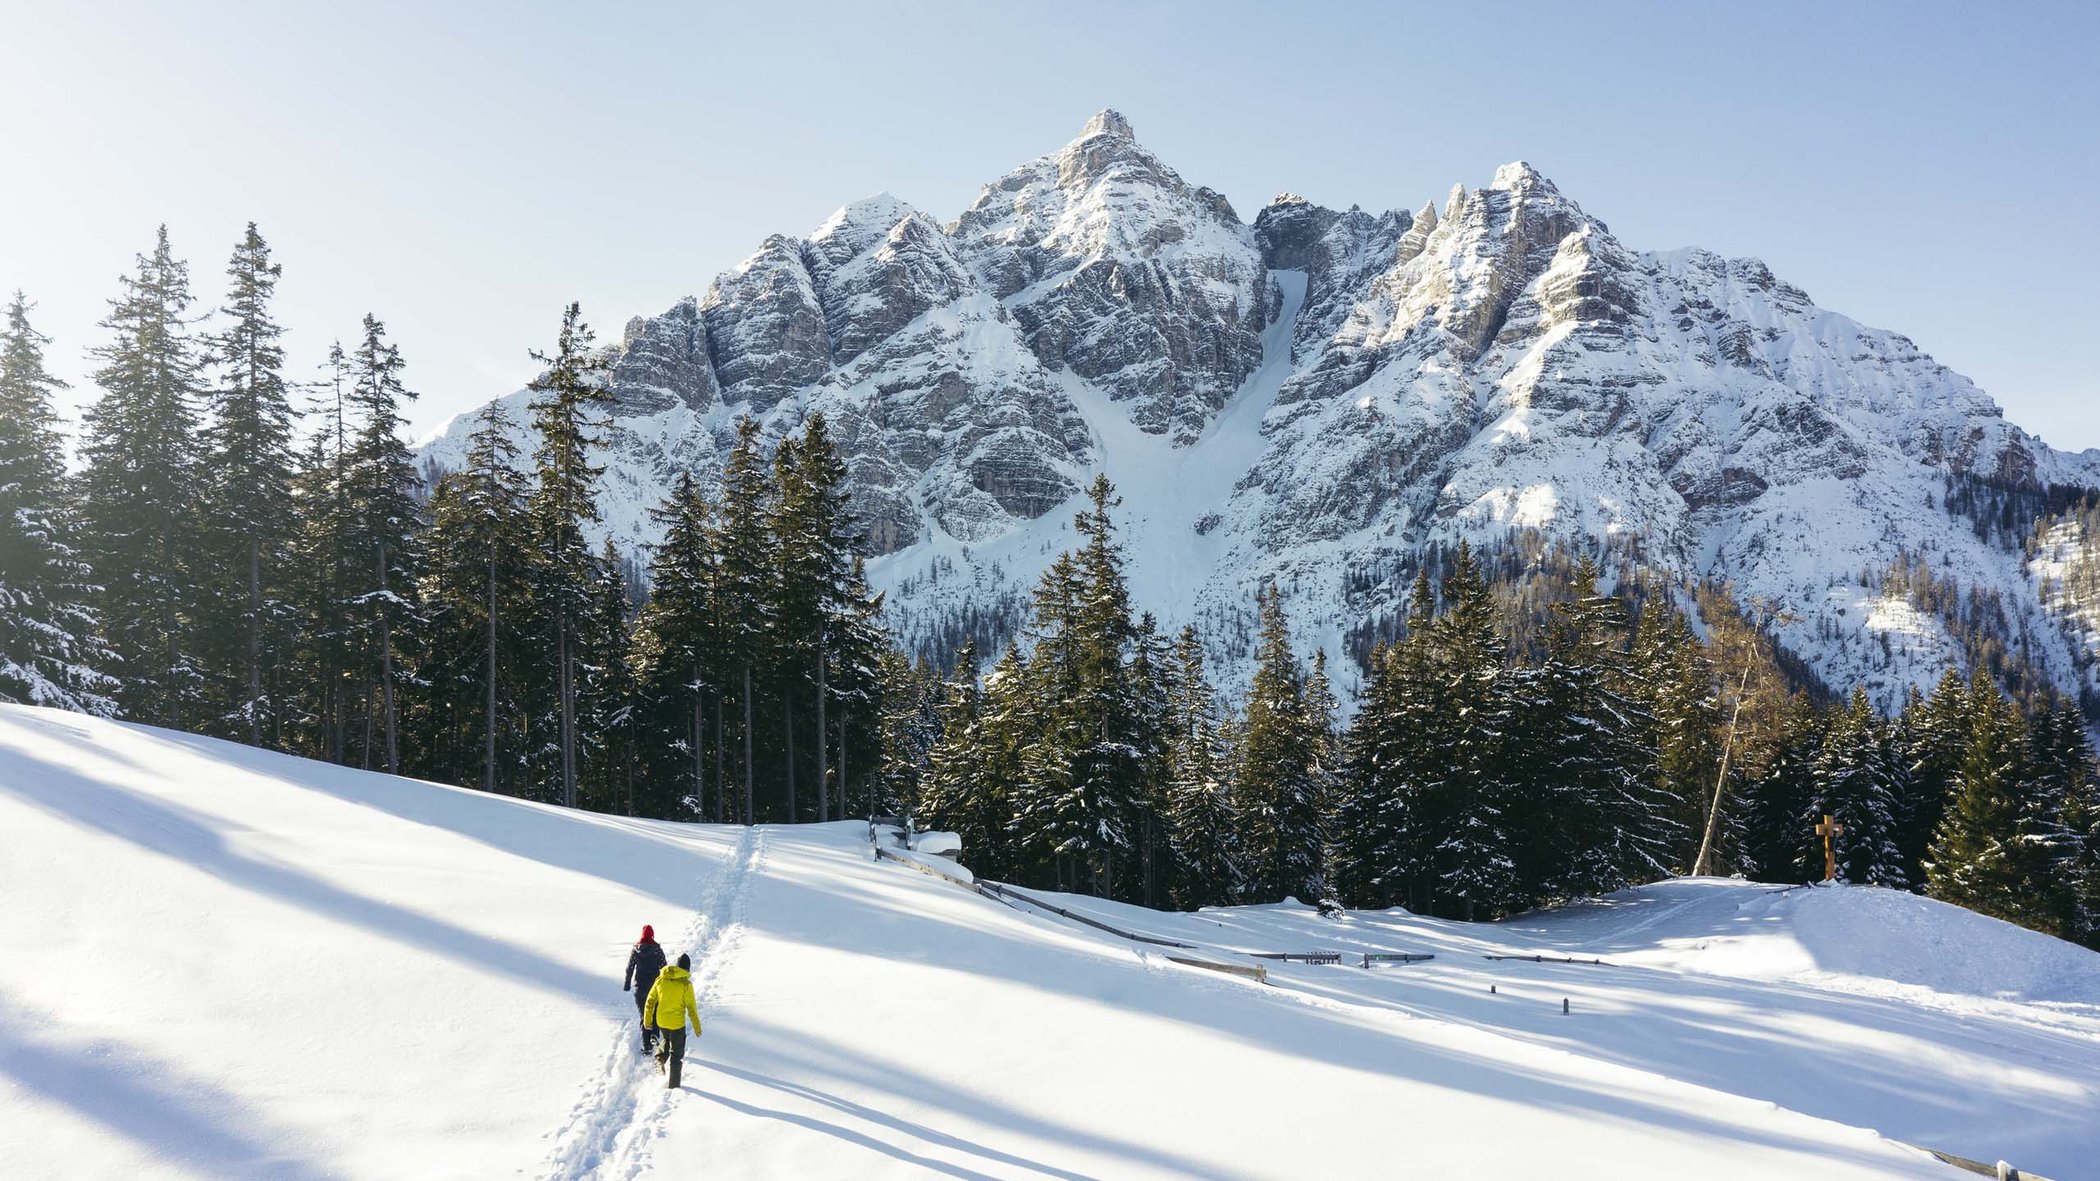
[{"x": 242, "y": 554}]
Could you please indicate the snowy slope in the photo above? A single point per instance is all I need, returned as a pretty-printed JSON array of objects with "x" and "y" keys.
[
  {"x": 1319, "y": 396},
  {"x": 216, "y": 962}
]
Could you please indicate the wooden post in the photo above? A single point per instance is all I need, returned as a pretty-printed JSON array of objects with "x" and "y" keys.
[{"x": 1828, "y": 830}]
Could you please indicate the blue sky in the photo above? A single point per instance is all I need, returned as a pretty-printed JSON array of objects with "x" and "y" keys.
[{"x": 463, "y": 170}]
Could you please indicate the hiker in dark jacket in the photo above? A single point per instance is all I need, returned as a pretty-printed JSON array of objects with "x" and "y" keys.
[{"x": 643, "y": 963}]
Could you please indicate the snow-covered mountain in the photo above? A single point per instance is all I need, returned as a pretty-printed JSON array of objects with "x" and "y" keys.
[
  {"x": 217, "y": 961},
  {"x": 1319, "y": 395}
]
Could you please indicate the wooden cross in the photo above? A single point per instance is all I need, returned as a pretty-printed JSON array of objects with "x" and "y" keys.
[{"x": 1828, "y": 830}]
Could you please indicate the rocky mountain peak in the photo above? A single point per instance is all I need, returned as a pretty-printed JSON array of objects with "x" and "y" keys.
[
  {"x": 1107, "y": 122},
  {"x": 1325, "y": 398}
]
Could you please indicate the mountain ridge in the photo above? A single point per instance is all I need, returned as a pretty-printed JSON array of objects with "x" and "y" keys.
[{"x": 1389, "y": 382}]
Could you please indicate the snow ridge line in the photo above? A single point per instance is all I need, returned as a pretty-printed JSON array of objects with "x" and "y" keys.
[
  {"x": 725, "y": 936},
  {"x": 612, "y": 1099}
]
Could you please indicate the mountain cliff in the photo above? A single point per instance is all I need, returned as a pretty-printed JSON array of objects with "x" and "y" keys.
[{"x": 1321, "y": 397}]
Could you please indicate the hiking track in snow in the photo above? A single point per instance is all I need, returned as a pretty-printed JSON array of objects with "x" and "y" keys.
[{"x": 611, "y": 1130}]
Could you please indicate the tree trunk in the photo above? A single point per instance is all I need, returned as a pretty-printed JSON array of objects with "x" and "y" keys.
[
  {"x": 1703, "y": 864},
  {"x": 721, "y": 780},
  {"x": 386, "y": 669},
  {"x": 254, "y": 642},
  {"x": 749, "y": 816},
  {"x": 488, "y": 738},
  {"x": 842, "y": 768},
  {"x": 700, "y": 749},
  {"x": 787, "y": 719},
  {"x": 568, "y": 719},
  {"x": 823, "y": 756}
]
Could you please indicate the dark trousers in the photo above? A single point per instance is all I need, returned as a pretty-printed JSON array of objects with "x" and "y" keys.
[
  {"x": 641, "y": 1001},
  {"x": 672, "y": 1051}
]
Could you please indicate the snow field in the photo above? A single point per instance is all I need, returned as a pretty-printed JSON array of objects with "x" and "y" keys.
[{"x": 219, "y": 962}]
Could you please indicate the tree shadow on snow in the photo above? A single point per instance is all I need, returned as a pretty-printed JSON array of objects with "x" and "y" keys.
[
  {"x": 643, "y": 855},
  {"x": 172, "y": 830},
  {"x": 172, "y": 1115}
]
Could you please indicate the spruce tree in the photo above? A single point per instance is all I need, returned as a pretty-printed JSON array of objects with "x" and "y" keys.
[
  {"x": 1857, "y": 786},
  {"x": 1978, "y": 858},
  {"x": 746, "y": 598},
  {"x": 1383, "y": 855},
  {"x": 1201, "y": 823},
  {"x": 1465, "y": 809},
  {"x": 677, "y": 666},
  {"x": 380, "y": 542},
  {"x": 50, "y": 653},
  {"x": 569, "y": 394},
  {"x": 248, "y": 520},
  {"x": 476, "y": 583},
  {"x": 139, "y": 489},
  {"x": 1278, "y": 788}
]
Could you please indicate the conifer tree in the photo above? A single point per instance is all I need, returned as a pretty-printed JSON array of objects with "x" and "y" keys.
[
  {"x": 139, "y": 490},
  {"x": 606, "y": 691},
  {"x": 1465, "y": 806},
  {"x": 50, "y": 653},
  {"x": 1382, "y": 854},
  {"x": 248, "y": 518},
  {"x": 569, "y": 394},
  {"x": 746, "y": 600},
  {"x": 677, "y": 662},
  {"x": 1278, "y": 789},
  {"x": 1857, "y": 787},
  {"x": 323, "y": 658},
  {"x": 1201, "y": 823},
  {"x": 475, "y": 591},
  {"x": 384, "y": 522},
  {"x": 1780, "y": 801},
  {"x": 1934, "y": 737},
  {"x": 1979, "y": 858}
]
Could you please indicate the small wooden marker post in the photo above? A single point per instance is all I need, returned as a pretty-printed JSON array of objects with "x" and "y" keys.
[
  {"x": 1564, "y": 1006},
  {"x": 1829, "y": 830}
]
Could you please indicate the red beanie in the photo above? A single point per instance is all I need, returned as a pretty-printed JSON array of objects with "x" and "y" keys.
[{"x": 648, "y": 933}]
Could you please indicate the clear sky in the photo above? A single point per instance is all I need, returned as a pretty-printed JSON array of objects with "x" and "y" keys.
[{"x": 463, "y": 170}]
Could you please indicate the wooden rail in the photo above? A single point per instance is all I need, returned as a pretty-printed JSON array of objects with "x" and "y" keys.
[
  {"x": 1061, "y": 912},
  {"x": 1300, "y": 957},
  {"x": 2001, "y": 1170},
  {"x": 1395, "y": 957},
  {"x": 1542, "y": 959}
]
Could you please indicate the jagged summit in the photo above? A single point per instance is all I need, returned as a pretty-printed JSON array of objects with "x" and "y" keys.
[
  {"x": 1108, "y": 122},
  {"x": 1344, "y": 391}
]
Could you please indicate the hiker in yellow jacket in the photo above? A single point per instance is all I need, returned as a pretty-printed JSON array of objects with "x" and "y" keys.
[{"x": 670, "y": 1002}]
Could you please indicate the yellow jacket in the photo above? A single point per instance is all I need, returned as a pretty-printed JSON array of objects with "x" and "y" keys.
[{"x": 670, "y": 1000}]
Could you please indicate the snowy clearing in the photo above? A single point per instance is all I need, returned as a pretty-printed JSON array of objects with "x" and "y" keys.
[{"x": 216, "y": 962}]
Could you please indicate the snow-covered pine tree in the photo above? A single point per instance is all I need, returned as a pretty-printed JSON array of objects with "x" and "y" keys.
[
  {"x": 1853, "y": 787},
  {"x": 676, "y": 666},
  {"x": 1382, "y": 851},
  {"x": 1277, "y": 789},
  {"x": 746, "y": 597},
  {"x": 825, "y": 632},
  {"x": 50, "y": 653},
  {"x": 968, "y": 786},
  {"x": 1934, "y": 736},
  {"x": 139, "y": 488},
  {"x": 1465, "y": 812},
  {"x": 474, "y": 588},
  {"x": 605, "y": 690},
  {"x": 569, "y": 395},
  {"x": 247, "y": 515},
  {"x": 1978, "y": 858},
  {"x": 1202, "y": 825},
  {"x": 1151, "y": 675},
  {"x": 1677, "y": 683},
  {"x": 323, "y": 677},
  {"x": 1779, "y": 803},
  {"x": 380, "y": 542},
  {"x": 1593, "y": 816}
]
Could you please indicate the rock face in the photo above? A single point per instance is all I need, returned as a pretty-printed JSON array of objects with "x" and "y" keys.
[{"x": 1321, "y": 395}]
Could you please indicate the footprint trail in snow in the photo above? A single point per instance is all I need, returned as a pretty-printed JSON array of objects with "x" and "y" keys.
[{"x": 612, "y": 1129}]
